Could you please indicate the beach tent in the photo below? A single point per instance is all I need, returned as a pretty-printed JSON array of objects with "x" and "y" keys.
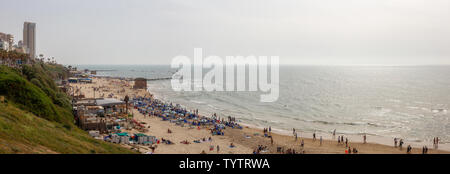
[
  {"x": 140, "y": 135},
  {"x": 122, "y": 134}
]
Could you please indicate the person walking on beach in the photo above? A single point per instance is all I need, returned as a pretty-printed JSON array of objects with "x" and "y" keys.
[
  {"x": 218, "y": 148},
  {"x": 395, "y": 142},
  {"x": 271, "y": 140},
  {"x": 320, "y": 140},
  {"x": 339, "y": 140},
  {"x": 293, "y": 130},
  {"x": 295, "y": 136},
  {"x": 334, "y": 133},
  {"x": 302, "y": 144},
  {"x": 314, "y": 136},
  {"x": 365, "y": 138},
  {"x": 408, "y": 149},
  {"x": 346, "y": 142},
  {"x": 270, "y": 129}
]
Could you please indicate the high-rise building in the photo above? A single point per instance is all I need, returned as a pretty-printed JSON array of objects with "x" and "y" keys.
[
  {"x": 9, "y": 39},
  {"x": 29, "y": 38},
  {"x": 4, "y": 45}
]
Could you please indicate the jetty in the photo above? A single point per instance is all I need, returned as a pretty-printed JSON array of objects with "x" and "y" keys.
[{"x": 160, "y": 78}]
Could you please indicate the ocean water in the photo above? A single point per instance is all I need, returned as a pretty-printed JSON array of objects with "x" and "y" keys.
[{"x": 409, "y": 102}]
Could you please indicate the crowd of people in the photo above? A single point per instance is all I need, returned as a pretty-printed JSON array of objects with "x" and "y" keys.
[
  {"x": 168, "y": 111},
  {"x": 148, "y": 106}
]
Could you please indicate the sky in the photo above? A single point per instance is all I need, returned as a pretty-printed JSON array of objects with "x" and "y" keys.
[{"x": 307, "y": 32}]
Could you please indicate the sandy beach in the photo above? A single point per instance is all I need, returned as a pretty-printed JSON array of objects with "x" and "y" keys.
[{"x": 246, "y": 140}]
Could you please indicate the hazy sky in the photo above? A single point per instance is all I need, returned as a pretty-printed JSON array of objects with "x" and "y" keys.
[{"x": 299, "y": 31}]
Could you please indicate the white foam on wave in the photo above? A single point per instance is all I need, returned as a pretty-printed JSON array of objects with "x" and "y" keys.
[
  {"x": 412, "y": 107},
  {"x": 196, "y": 101},
  {"x": 443, "y": 111}
]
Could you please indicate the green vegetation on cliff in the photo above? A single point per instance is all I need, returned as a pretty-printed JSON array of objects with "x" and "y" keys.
[
  {"x": 28, "y": 96},
  {"x": 23, "y": 132},
  {"x": 36, "y": 116}
]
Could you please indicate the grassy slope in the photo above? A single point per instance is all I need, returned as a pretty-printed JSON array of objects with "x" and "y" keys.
[
  {"x": 30, "y": 97},
  {"x": 23, "y": 132},
  {"x": 36, "y": 117}
]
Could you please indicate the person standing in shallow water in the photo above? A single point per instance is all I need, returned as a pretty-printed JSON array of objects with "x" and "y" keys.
[
  {"x": 400, "y": 144},
  {"x": 437, "y": 142},
  {"x": 434, "y": 142},
  {"x": 334, "y": 133}
]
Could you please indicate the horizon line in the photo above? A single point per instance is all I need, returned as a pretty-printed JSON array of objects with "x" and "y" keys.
[{"x": 362, "y": 65}]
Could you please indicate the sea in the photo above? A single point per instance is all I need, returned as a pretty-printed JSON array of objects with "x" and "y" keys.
[{"x": 383, "y": 102}]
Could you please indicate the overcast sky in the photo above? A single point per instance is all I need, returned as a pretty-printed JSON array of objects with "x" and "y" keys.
[{"x": 375, "y": 32}]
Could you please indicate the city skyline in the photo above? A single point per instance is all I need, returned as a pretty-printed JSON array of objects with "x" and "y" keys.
[
  {"x": 26, "y": 45},
  {"x": 400, "y": 32}
]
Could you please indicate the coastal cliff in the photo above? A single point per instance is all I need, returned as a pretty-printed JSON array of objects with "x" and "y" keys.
[{"x": 36, "y": 116}]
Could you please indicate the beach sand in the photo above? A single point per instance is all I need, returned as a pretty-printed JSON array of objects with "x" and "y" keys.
[{"x": 245, "y": 140}]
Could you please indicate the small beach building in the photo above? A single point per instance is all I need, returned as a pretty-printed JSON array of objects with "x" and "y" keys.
[
  {"x": 112, "y": 105},
  {"x": 85, "y": 80},
  {"x": 73, "y": 80}
]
